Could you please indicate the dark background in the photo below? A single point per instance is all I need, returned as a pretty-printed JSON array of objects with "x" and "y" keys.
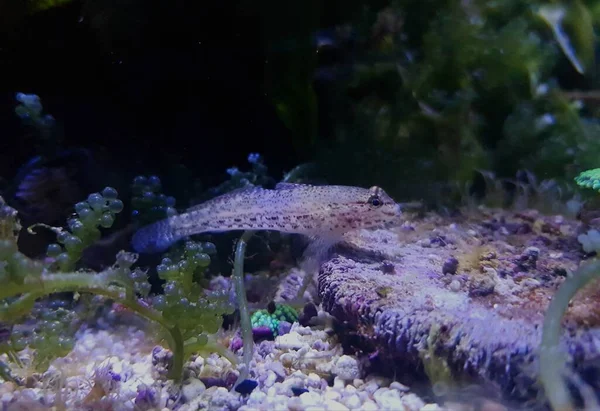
[{"x": 177, "y": 84}]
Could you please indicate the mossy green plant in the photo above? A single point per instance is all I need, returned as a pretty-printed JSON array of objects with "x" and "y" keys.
[
  {"x": 148, "y": 202},
  {"x": 98, "y": 211},
  {"x": 187, "y": 314}
]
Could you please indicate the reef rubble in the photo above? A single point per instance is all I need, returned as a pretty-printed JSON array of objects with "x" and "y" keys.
[{"x": 459, "y": 301}]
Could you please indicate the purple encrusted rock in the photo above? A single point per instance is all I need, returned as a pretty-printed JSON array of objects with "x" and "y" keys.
[
  {"x": 162, "y": 359},
  {"x": 5, "y": 332},
  {"x": 236, "y": 343},
  {"x": 265, "y": 348},
  {"x": 387, "y": 267},
  {"x": 284, "y": 327},
  {"x": 262, "y": 333},
  {"x": 145, "y": 399},
  {"x": 308, "y": 313},
  {"x": 486, "y": 333},
  {"x": 450, "y": 266},
  {"x": 213, "y": 382}
]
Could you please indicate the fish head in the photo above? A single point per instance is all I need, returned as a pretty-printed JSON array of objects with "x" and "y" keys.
[
  {"x": 381, "y": 208},
  {"x": 364, "y": 208}
]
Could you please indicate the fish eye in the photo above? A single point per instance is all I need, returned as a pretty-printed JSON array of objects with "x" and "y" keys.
[{"x": 375, "y": 201}]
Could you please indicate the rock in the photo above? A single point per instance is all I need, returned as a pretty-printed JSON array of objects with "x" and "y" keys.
[
  {"x": 450, "y": 266},
  {"x": 485, "y": 323}
]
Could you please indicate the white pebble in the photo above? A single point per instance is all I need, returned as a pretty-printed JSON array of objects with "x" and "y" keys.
[
  {"x": 338, "y": 383},
  {"x": 388, "y": 399},
  {"x": 118, "y": 349},
  {"x": 221, "y": 398},
  {"x": 331, "y": 405},
  {"x": 431, "y": 407},
  {"x": 6, "y": 397},
  {"x": 398, "y": 386},
  {"x": 199, "y": 361},
  {"x": 279, "y": 402},
  {"x": 350, "y": 389},
  {"x": 369, "y": 406},
  {"x": 347, "y": 368},
  {"x": 332, "y": 395},
  {"x": 313, "y": 380},
  {"x": 271, "y": 378},
  {"x": 363, "y": 395},
  {"x": 371, "y": 387},
  {"x": 256, "y": 397},
  {"x": 358, "y": 382},
  {"x": 193, "y": 389},
  {"x": 310, "y": 399},
  {"x": 353, "y": 402},
  {"x": 290, "y": 341},
  {"x": 412, "y": 402}
]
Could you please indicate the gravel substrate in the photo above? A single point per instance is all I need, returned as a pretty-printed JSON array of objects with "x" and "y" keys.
[{"x": 119, "y": 370}]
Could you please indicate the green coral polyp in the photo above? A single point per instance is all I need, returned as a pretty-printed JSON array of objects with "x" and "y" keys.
[
  {"x": 272, "y": 316},
  {"x": 589, "y": 179}
]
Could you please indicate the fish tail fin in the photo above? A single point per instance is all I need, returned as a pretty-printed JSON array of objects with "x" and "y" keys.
[{"x": 154, "y": 238}]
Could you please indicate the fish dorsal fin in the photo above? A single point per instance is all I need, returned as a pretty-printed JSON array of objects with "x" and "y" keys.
[
  {"x": 288, "y": 186},
  {"x": 223, "y": 197}
]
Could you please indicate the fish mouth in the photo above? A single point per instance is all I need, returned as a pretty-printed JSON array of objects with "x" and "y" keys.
[{"x": 397, "y": 211}]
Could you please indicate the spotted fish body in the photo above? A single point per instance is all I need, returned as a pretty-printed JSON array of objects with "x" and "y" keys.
[{"x": 325, "y": 212}]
